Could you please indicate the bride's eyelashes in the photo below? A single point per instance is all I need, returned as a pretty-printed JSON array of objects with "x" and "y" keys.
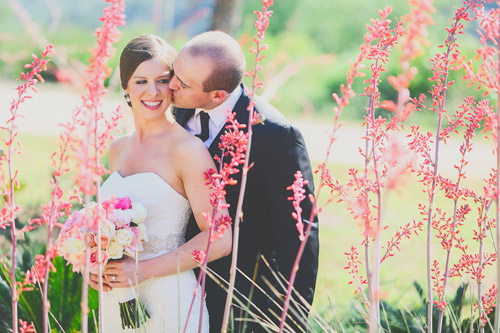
[{"x": 165, "y": 80}]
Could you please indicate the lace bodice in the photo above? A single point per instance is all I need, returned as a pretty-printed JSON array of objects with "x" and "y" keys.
[{"x": 167, "y": 211}]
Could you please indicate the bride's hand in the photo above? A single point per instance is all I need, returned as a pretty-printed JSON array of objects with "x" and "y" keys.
[
  {"x": 94, "y": 282},
  {"x": 122, "y": 273}
]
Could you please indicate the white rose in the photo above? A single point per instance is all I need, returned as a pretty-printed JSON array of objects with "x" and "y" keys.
[
  {"x": 115, "y": 250},
  {"x": 74, "y": 247},
  {"x": 138, "y": 212},
  {"x": 107, "y": 228},
  {"x": 124, "y": 237},
  {"x": 143, "y": 236}
]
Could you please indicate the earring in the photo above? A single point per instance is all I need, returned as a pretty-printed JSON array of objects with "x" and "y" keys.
[{"x": 127, "y": 99}]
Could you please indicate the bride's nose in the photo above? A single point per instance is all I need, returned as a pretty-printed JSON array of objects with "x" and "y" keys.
[{"x": 152, "y": 89}]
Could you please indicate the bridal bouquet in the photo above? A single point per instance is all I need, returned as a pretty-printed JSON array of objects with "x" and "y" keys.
[{"x": 122, "y": 232}]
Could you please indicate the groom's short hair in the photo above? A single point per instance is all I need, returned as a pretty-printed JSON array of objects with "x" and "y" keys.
[{"x": 226, "y": 55}]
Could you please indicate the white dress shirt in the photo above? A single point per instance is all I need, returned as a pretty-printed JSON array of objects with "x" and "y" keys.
[{"x": 217, "y": 117}]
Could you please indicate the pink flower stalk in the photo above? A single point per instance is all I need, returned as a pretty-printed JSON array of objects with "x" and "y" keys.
[
  {"x": 298, "y": 196},
  {"x": 383, "y": 39},
  {"x": 218, "y": 225},
  {"x": 25, "y": 327},
  {"x": 96, "y": 129},
  {"x": 428, "y": 170},
  {"x": 414, "y": 37},
  {"x": 9, "y": 183},
  {"x": 487, "y": 77},
  {"x": 352, "y": 267},
  {"x": 233, "y": 147},
  {"x": 489, "y": 302},
  {"x": 56, "y": 208},
  {"x": 261, "y": 24},
  {"x": 405, "y": 231}
]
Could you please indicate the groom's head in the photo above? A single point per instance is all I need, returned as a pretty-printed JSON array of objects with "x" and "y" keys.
[{"x": 206, "y": 70}]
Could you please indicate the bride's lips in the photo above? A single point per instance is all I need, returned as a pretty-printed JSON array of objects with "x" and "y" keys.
[{"x": 152, "y": 105}]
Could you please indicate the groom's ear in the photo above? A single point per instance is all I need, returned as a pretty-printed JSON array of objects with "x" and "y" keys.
[{"x": 219, "y": 96}]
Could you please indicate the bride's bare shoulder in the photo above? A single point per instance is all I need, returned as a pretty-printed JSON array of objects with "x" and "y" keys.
[
  {"x": 117, "y": 146},
  {"x": 120, "y": 142},
  {"x": 189, "y": 147}
]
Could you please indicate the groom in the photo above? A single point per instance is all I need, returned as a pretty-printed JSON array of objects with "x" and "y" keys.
[{"x": 207, "y": 80}]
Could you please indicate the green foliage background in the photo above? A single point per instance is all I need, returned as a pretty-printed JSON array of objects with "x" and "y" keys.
[{"x": 311, "y": 43}]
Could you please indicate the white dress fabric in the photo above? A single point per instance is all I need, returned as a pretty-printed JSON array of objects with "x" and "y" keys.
[{"x": 167, "y": 299}]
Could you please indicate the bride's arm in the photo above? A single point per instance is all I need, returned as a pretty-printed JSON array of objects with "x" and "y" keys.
[{"x": 193, "y": 162}]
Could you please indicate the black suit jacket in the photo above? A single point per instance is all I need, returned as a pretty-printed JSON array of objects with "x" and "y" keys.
[{"x": 267, "y": 227}]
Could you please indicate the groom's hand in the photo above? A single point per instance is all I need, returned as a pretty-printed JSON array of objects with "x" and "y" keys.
[{"x": 94, "y": 282}]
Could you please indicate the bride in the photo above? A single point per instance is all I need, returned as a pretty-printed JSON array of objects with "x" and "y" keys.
[{"x": 161, "y": 166}]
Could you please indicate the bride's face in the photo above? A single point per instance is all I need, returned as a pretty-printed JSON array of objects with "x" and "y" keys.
[{"x": 148, "y": 88}]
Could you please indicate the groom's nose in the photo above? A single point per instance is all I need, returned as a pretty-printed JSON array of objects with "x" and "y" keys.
[{"x": 173, "y": 83}]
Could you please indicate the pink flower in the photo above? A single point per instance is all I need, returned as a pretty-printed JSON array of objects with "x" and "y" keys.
[
  {"x": 136, "y": 244},
  {"x": 75, "y": 218},
  {"x": 94, "y": 260},
  {"x": 123, "y": 203},
  {"x": 120, "y": 218},
  {"x": 199, "y": 256},
  {"x": 104, "y": 240}
]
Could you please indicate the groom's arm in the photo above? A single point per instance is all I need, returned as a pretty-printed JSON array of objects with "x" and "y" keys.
[{"x": 194, "y": 160}]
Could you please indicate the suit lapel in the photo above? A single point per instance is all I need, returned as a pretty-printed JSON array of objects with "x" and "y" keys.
[
  {"x": 182, "y": 116},
  {"x": 241, "y": 116}
]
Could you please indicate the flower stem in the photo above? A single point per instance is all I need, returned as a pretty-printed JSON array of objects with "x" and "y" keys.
[{"x": 497, "y": 193}]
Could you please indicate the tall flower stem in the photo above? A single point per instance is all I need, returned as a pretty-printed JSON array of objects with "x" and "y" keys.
[
  {"x": 375, "y": 285},
  {"x": 262, "y": 23},
  {"x": 12, "y": 219},
  {"x": 450, "y": 245},
  {"x": 497, "y": 194},
  {"x": 96, "y": 133},
  {"x": 30, "y": 78},
  {"x": 497, "y": 188},
  {"x": 440, "y": 98},
  {"x": 236, "y": 228}
]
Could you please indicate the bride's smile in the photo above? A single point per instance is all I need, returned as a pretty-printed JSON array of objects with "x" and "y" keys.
[{"x": 148, "y": 88}]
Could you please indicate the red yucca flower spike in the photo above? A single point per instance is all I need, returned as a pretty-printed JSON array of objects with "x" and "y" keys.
[{"x": 9, "y": 182}]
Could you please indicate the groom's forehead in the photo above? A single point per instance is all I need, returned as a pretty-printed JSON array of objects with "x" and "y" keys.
[{"x": 191, "y": 69}]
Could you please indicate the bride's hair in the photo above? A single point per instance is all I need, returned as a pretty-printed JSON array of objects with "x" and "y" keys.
[{"x": 140, "y": 49}]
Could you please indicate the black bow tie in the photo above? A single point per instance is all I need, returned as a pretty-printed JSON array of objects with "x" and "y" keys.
[{"x": 204, "y": 118}]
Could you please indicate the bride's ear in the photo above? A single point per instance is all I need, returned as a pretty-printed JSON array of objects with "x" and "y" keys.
[{"x": 219, "y": 96}]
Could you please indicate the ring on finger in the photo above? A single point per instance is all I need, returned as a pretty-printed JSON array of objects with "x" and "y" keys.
[{"x": 113, "y": 278}]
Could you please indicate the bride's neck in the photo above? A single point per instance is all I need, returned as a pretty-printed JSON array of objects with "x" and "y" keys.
[{"x": 145, "y": 129}]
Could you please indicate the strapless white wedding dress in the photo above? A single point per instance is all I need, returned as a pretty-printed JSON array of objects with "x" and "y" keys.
[{"x": 167, "y": 299}]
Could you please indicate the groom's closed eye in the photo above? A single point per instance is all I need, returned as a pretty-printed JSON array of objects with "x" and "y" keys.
[{"x": 182, "y": 84}]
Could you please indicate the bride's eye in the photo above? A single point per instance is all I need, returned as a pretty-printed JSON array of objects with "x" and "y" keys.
[
  {"x": 164, "y": 80},
  {"x": 140, "y": 82}
]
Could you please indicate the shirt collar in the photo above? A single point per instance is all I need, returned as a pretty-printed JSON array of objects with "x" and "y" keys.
[{"x": 218, "y": 114}]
